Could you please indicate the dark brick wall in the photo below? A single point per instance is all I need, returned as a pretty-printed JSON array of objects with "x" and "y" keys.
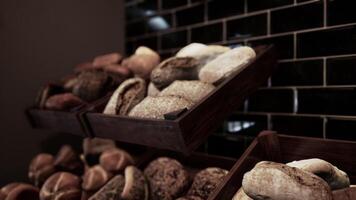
[{"x": 313, "y": 91}]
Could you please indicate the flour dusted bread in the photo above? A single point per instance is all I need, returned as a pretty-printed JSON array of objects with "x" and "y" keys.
[
  {"x": 269, "y": 180},
  {"x": 336, "y": 178},
  {"x": 128, "y": 95},
  {"x": 226, "y": 64},
  {"x": 191, "y": 90},
  {"x": 157, "y": 107},
  {"x": 203, "y": 53}
]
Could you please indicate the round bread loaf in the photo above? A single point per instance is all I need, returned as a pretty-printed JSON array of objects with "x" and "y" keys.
[
  {"x": 269, "y": 180},
  {"x": 226, "y": 64},
  {"x": 157, "y": 107},
  {"x": 241, "y": 195},
  {"x": 206, "y": 181},
  {"x": 336, "y": 178},
  {"x": 190, "y": 198},
  {"x": 111, "y": 190},
  {"x": 167, "y": 179}
]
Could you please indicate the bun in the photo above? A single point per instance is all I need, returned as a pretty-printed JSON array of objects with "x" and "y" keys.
[{"x": 226, "y": 64}]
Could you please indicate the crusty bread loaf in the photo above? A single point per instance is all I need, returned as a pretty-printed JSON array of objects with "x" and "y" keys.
[
  {"x": 241, "y": 195},
  {"x": 201, "y": 52},
  {"x": 269, "y": 180},
  {"x": 336, "y": 178},
  {"x": 182, "y": 68},
  {"x": 128, "y": 95},
  {"x": 226, "y": 64},
  {"x": 157, "y": 107},
  {"x": 191, "y": 90},
  {"x": 345, "y": 194}
]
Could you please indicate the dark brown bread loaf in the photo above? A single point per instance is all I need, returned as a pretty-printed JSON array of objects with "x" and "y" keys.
[
  {"x": 41, "y": 167},
  {"x": 19, "y": 191},
  {"x": 61, "y": 186}
]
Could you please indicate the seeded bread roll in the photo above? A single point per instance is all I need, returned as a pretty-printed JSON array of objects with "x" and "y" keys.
[
  {"x": 269, "y": 180},
  {"x": 226, "y": 64},
  {"x": 111, "y": 190},
  {"x": 128, "y": 95},
  {"x": 63, "y": 101},
  {"x": 157, "y": 107},
  {"x": 336, "y": 178},
  {"x": 345, "y": 194},
  {"x": 191, "y": 90},
  {"x": 182, "y": 68},
  {"x": 167, "y": 179},
  {"x": 241, "y": 195},
  {"x": 136, "y": 187},
  {"x": 201, "y": 52},
  {"x": 206, "y": 181}
]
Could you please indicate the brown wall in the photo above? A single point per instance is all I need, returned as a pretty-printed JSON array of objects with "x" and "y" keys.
[{"x": 41, "y": 40}]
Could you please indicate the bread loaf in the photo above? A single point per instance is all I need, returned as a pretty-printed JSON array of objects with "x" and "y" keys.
[
  {"x": 336, "y": 178},
  {"x": 157, "y": 107},
  {"x": 241, "y": 195},
  {"x": 191, "y": 90},
  {"x": 226, "y": 64},
  {"x": 269, "y": 180},
  {"x": 345, "y": 194}
]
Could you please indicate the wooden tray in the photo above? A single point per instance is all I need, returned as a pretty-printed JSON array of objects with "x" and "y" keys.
[
  {"x": 193, "y": 163},
  {"x": 185, "y": 132},
  {"x": 281, "y": 148},
  {"x": 60, "y": 121}
]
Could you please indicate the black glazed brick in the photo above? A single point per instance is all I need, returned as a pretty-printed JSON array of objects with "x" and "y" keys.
[
  {"x": 271, "y": 100},
  {"x": 341, "y": 71},
  {"x": 334, "y": 41},
  {"x": 227, "y": 146},
  {"x": 250, "y": 125},
  {"x": 341, "y": 12},
  {"x": 159, "y": 23},
  {"x": 148, "y": 6},
  {"x": 165, "y": 55},
  {"x": 254, "y": 5},
  {"x": 341, "y": 129},
  {"x": 331, "y": 101},
  {"x": 174, "y": 40},
  {"x": 297, "y": 18},
  {"x": 207, "y": 34},
  {"x": 247, "y": 27},
  {"x": 191, "y": 15},
  {"x": 135, "y": 28},
  {"x": 298, "y": 126},
  {"x": 225, "y": 8},
  {"x": 150, "y": 42},
  {"x": 129, "y": 48},
  {"x": 283, "y": 44},
  {"x": 168, "y": 4},
  {"x": 299, "y": 73}
]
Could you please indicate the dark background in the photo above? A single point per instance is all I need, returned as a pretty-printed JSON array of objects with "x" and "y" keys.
[
  {"x": 313, "y": 92},
  {"x": 41, "y": 40}
]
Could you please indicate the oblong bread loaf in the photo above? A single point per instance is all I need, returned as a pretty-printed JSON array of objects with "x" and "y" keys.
[{"x": 269, "y": 180}]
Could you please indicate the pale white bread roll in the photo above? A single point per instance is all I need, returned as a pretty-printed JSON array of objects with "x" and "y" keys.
[
  {"x": 345, "y": 194},
  {"x": 191, "y": 90},
  {"x": 142, "y": 50},
  {"x": 157, "y": 107},
  {"x": 241, "y": 195},
  {"x": 203, "y": 53},
  {"x": 336, "y": 178},
  {"x": 269, "y": 180},
  {"x": 226, "y": 64}
]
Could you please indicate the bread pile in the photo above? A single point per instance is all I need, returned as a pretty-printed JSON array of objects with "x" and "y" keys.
[
  {"x": 311, "y": 179},
  {"x": 178, "y": 82},
  {"x": 93, "y": 80},
  {"x": 105, "y": 172}
]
